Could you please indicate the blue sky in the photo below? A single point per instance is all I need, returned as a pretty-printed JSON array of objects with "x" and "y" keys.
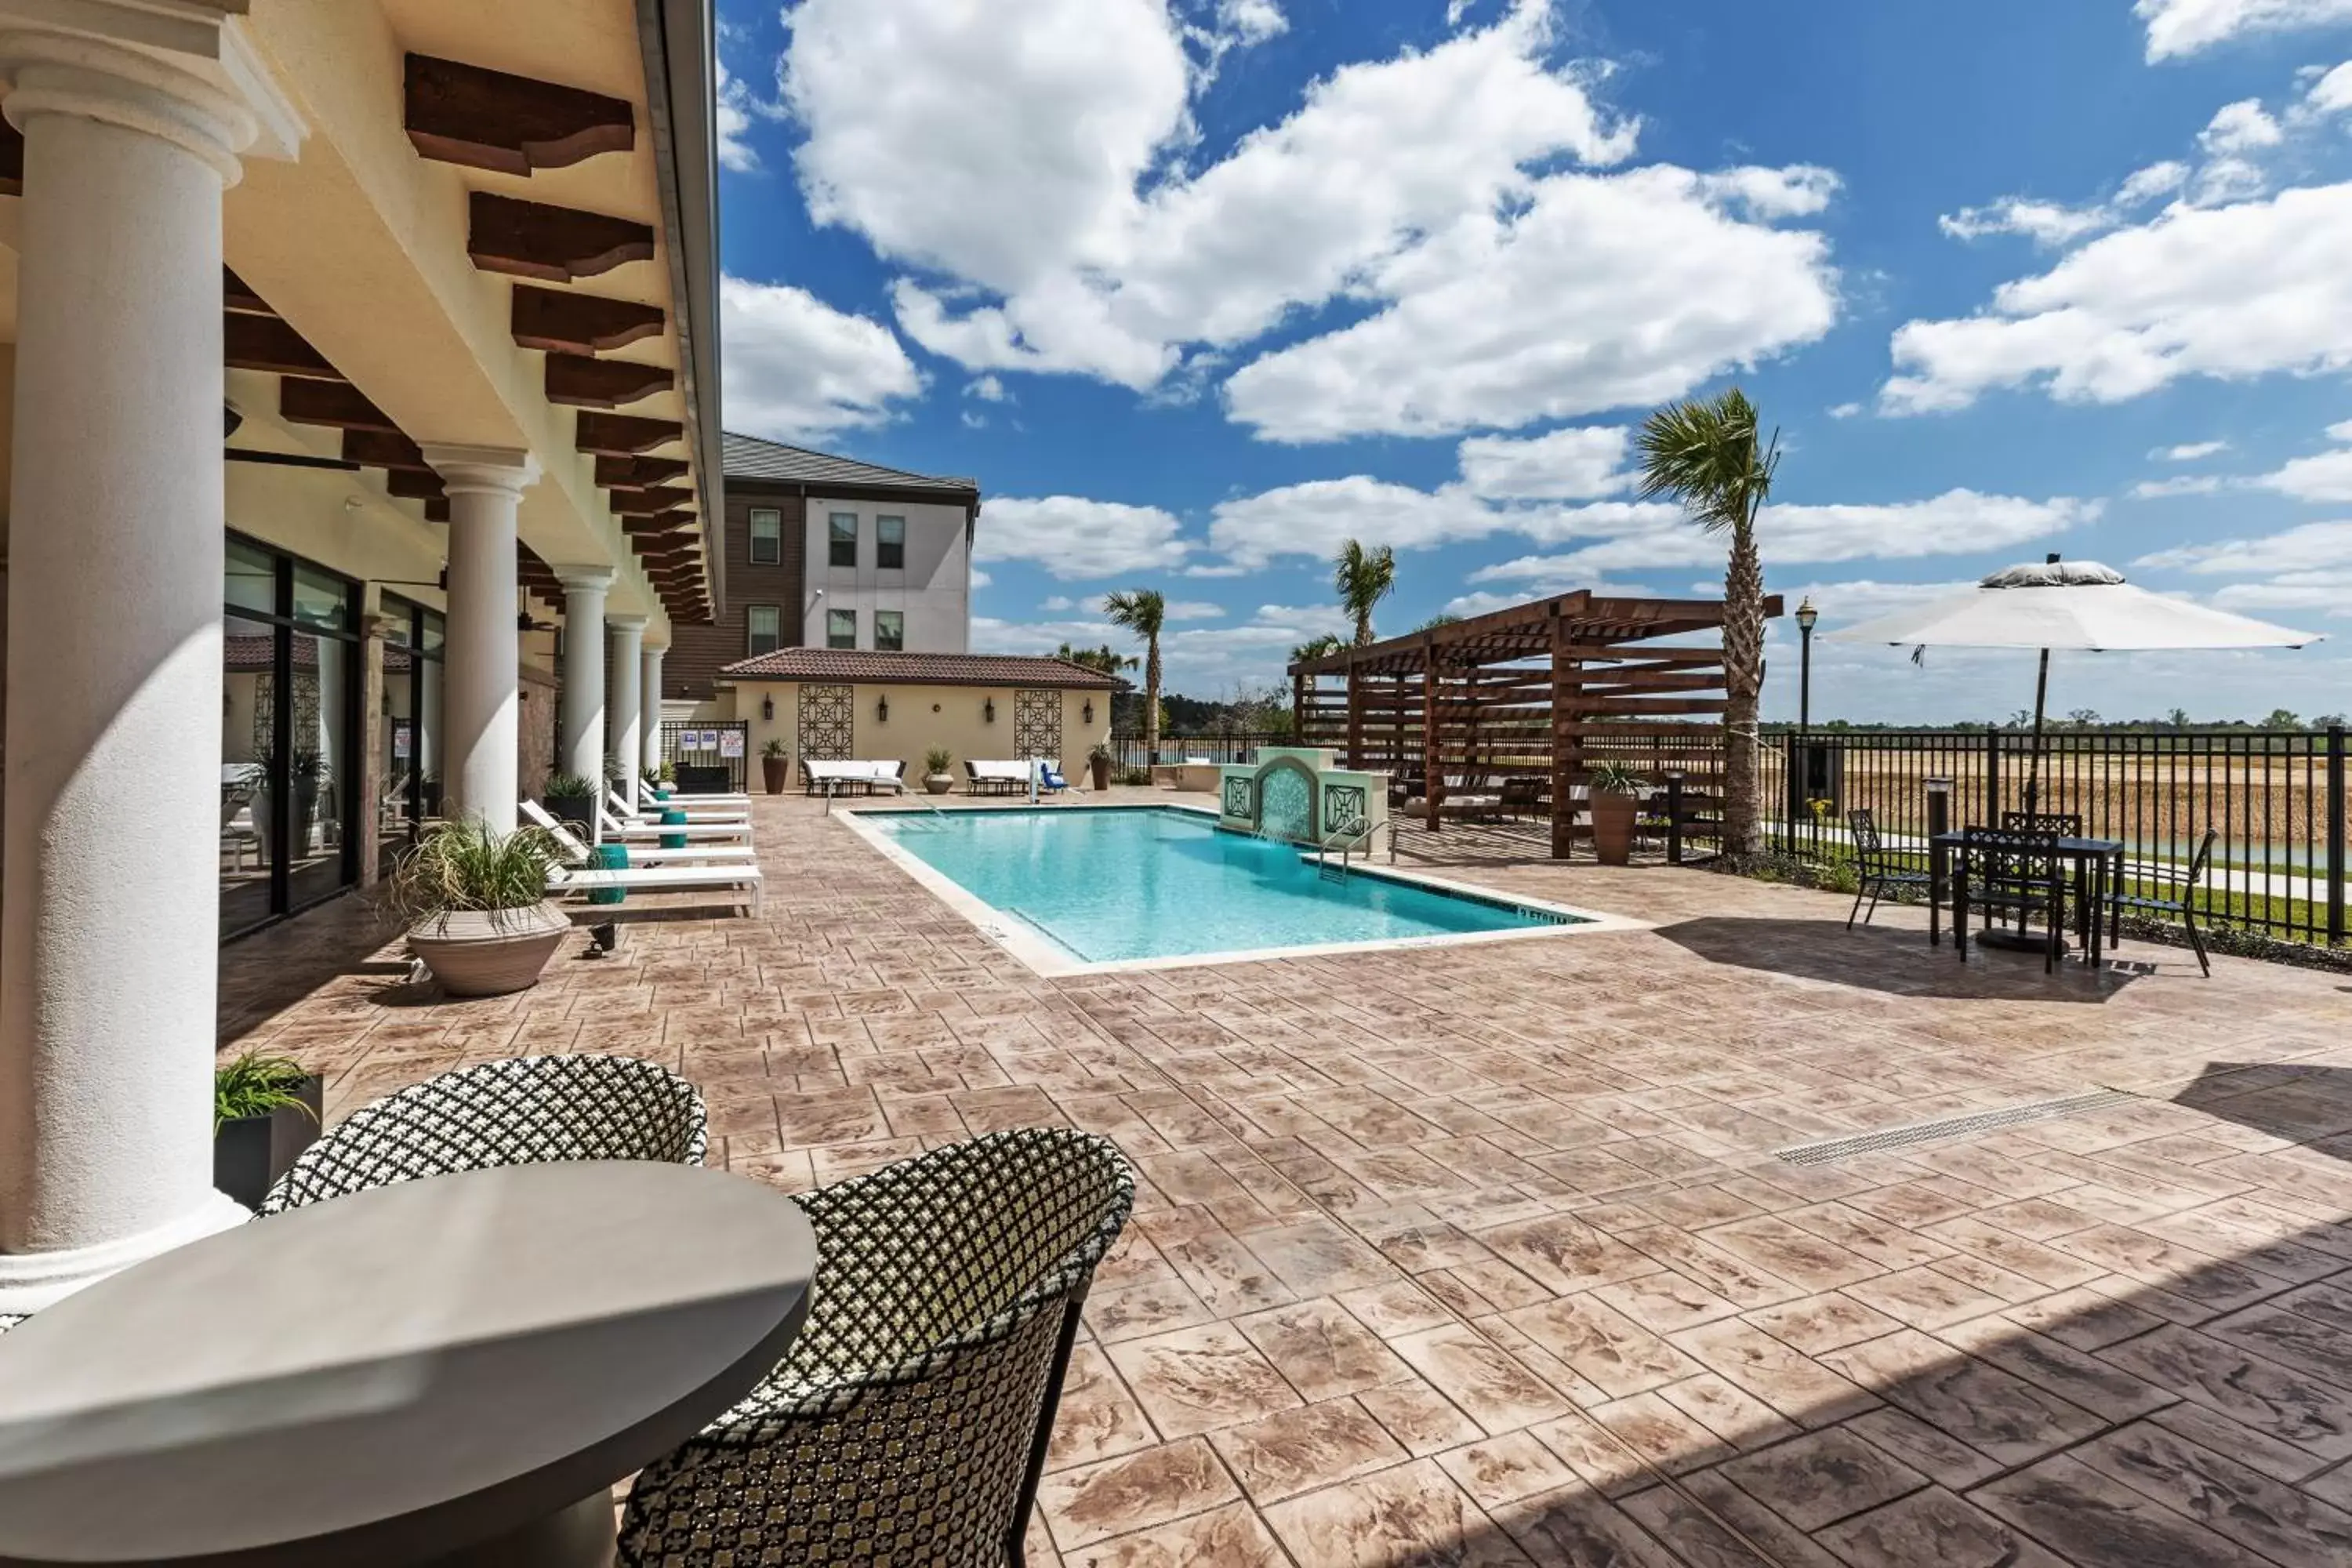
[{"x": 1198, "y": 289}]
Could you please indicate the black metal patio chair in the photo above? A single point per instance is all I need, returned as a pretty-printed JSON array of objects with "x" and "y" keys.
[
  {"x": 1878, "y": 870},
  {"x": 2010, "y": 873},
  {"x": 2057, "y": 824},
  {"x": 518, "y": 1111},
  {"x": 2174, "y": 896},
  {"x": 908, "y": 1421}
]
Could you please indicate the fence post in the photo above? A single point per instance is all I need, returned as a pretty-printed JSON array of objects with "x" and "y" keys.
[
  {"x": 1673, "y": 819},
  {"x": 2336, "y": 835},
  {"x": 1792, "y": 792},
  {"x": 1992, "y": 776}
]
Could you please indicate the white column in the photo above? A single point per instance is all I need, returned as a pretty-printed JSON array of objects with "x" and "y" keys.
[
  {"x": 481, "y": 697},
  {"x": 649, "y": 690},
  {"x": 627, "y": 709},
  {"x": 110, "y": 942},
  {"x": 583, "y": 748}
]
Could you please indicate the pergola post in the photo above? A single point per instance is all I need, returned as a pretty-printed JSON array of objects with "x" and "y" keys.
[
  {"x": 1299, "y": 681},
  {"x": 1566, "y": 762},
  {"x": 1433, "y": 759},
  {"x": 1355, "y": 716}
]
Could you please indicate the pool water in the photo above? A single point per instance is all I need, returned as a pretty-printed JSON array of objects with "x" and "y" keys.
[{"x": 1122, "y": 883}]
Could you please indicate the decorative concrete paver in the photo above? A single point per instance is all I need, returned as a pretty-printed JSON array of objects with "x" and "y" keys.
[{"x": 1481, "y": 1255}]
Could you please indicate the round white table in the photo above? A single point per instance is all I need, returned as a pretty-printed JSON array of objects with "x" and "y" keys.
[{"x": 454, "y": 1370}]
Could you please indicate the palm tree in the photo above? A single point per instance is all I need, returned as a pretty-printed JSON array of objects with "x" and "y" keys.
[
  {"x": 1106, "y": 659},
  {"x": 1142, "y": 611},
  {"x": 1705, "y": 453},
  {"x": 1363, "y": 577},
  {"x": 1317, "y": 647}
]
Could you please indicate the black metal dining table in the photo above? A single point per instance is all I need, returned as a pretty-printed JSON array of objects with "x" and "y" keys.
[
  {"x": 451, "y": 1371},
  {"x": 2096, "y": 865}
]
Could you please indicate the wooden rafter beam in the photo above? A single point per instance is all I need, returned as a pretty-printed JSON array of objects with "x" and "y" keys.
[
  {"x": 623, "y": 435},
  {"x": 268, "y": 343},
  {"x": 579, "y": 381},
  {"x": 459, "y": 113},
  {"x": 238, "y": 296},
  {"x": 651, "y": 504},
  {"x": 415, "y": 486},
  {"x": 436, "y": 508},
  {"x": 564, "y": 323},
  {"x": 335, "y": 404},
  {"x": 550, "y": 244},
  {"x": 637, "y": 473},
  {"x": 380, "y": 450}
]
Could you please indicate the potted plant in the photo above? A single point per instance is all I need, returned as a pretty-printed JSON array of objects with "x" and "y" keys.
[
  {"x": 1616, "y": 799},
  {"x": 477, "y": 902},
  {"x": 313, "y": 776},
  {"x": 665, "y": 780},
  {"x": 936, "y": 780},
  {"x": 1099, "y": 760},
  {"x": 265, "y": 1113},
  {"x": 775, "y": 764},
  {"x": 572, "y": 797}
]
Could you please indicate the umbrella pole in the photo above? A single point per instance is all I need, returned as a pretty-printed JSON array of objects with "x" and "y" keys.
[{"x": 2033, "y": 761}]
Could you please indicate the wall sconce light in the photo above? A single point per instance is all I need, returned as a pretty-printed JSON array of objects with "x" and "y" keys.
[
  {"x": 882, "y": 710},
  {"x": 1090, "y": 709},
  {"x": 935, "y": 707},
  {"x": 988, "y": 709},
  {"x": 767, "y": 706}
]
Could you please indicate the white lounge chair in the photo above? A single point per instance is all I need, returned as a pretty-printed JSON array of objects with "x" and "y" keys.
[
  {"x": 835, "y": 775},
  {"x": 999, "y": 776},
  {"x": 658, "y": 880},
  {"x": 704, "y": 854},
  {"x": 652, "y": 801},
  {"x": 694, "y": 813},
  {"x": 610, "y": 826}
]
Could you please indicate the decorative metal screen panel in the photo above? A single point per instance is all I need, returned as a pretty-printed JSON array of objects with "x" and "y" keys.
[
  {"x": 1237, "y": 796},
  {"x": 1342, "y": 803},
  {"x": 828, "y": 719},
  {"x": 1037, "y": 722}
]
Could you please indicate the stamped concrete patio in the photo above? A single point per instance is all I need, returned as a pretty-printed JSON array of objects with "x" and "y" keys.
[{"x": 1482, "y": 1255}]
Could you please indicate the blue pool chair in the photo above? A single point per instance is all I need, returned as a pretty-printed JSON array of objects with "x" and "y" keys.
[{"x": 1050, "y": 779}]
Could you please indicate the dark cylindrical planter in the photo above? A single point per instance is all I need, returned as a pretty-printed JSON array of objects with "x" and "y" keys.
[
  {"x": 775, "y": 773},
  {"x": 252, "y": 1151},
  {"x": 1100, "y": 768},
  {"x": 1612, "y": 828},
  {"x": 579, "y": 810}
]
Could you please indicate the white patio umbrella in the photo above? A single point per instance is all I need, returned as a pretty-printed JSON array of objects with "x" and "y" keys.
[{"x": 2057, "y": 604}]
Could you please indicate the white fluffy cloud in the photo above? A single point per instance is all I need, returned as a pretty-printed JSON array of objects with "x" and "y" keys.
[
  {"x": 1958, "y": 522},
  {"x": 2332, "y": 94},
  {"x": 1074, "y": 538},
  {"x": 2312, "y": 545},
  {"x": 2240, "y": 127},
  {"x": 1573, "y": 464},
  {"x": 2189, "y": 451},
  {"x": 1314, "y": 518},
  {"x": 2055, "y": 225},
  {"x": 2176, "y": 27},
  {"x": 1421, "y": 184},
  {"x": 798, "y": 368},
  {"x": 2179, "y": 485},
  {"x": 2326, "y": 477},
  {"x": 2228, "y": 292}
]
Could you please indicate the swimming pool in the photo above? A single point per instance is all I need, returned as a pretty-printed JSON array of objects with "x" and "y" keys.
[{"x": 1068, "y": 888}]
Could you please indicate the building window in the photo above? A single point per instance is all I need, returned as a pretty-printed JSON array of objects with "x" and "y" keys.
[
  {"x": 841, "y": 628},
  {"x": 767, "y": 536},
  {"x": 763, "y": 627},
  {"x": 890, "y": 630},
  {"x": 841, "y": 549},
  {"x": 890, "y": 543}
]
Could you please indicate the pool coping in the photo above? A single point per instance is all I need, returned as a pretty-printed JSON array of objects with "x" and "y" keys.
[{"x": 1051, "y": 961}]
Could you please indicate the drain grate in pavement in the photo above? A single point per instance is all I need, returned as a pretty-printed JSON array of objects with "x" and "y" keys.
[{"x": 1832, "y": 1148}]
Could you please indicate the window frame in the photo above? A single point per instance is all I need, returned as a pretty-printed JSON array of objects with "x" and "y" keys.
[
  {"x": 834, "y": 540},
  {"x": 899, "y": 644},
  {"x": 831, "y": 616},
  {"x": 884, "y": 544},
  {"x": 775, "y": 540},
  {"x": 751, "y": 648}
]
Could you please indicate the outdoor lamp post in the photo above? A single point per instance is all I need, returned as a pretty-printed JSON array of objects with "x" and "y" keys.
[
  {"x": 1806, "y": 616},
  {"x": 1939, "y": 822}
]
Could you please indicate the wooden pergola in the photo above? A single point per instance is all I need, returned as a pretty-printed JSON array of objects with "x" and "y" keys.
[{"x": 1515, "y": 707}]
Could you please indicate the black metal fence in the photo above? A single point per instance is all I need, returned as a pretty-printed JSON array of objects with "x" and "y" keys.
[
  {"x": 2275, "y": 799},
  {"x": 702, "y": 751},
  {"x": 1231, "y": 746}
]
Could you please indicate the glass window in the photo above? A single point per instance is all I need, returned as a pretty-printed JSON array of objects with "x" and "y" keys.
[
  {"x": 767, "y": 536},
  {"x": 434, "y": 630},
  {"x": 248, "y": 676},
  {"x": 322, "y": 599},
  {"x": 889, "y": 630},
  {"x": 841, "y": 628},
  {"x": 315, "y": 784},
  {"x": 252, "y": 582},
  {"x": 764, "y": 628},
  {"x": 841, "y": 549},
  {"x": 890, "y": 543}
]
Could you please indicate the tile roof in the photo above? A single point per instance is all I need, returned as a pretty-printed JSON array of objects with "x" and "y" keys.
[
  {"x": 749, "y": 458},
  {"x": 860, "y": 667}
]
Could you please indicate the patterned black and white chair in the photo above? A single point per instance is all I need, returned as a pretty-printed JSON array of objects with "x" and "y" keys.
[
  {"x": 908, "y": 1424},
  {"x": 518, "y": 1112}
]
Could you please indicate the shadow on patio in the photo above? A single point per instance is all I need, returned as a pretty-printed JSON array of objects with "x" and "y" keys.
[
  {"x": 2300, "y": 1103},
  {"x": 1888, "y": 957}
]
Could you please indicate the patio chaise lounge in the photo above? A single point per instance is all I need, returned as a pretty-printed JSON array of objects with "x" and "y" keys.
[
  {"x": 518, "y": 1112},
  {"x": 610, "y": 826},
  {"x": 724, "y": 853},
  {"x": 833, "y": 776},
  {"x": 908, "y": 1422},
  {"x": 694, "y": 813},
  {"x": 1005, "y": 776},
  {"x": 653, "y": 801},
  {"x": 737, "y": 875}
]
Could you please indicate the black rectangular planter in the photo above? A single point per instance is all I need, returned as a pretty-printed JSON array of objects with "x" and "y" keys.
[{"x": 252, "y": 1151}]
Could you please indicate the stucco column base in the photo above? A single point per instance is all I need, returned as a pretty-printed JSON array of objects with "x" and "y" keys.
[{"x": 30, "y": 1281}]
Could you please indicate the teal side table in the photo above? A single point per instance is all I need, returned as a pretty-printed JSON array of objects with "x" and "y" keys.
[
  {"x": 675, "y": 817},
  {"x": 609, "y": 857}
]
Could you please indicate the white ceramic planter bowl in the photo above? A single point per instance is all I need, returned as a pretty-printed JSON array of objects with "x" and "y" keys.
[{"x": 490, "y": 953}]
